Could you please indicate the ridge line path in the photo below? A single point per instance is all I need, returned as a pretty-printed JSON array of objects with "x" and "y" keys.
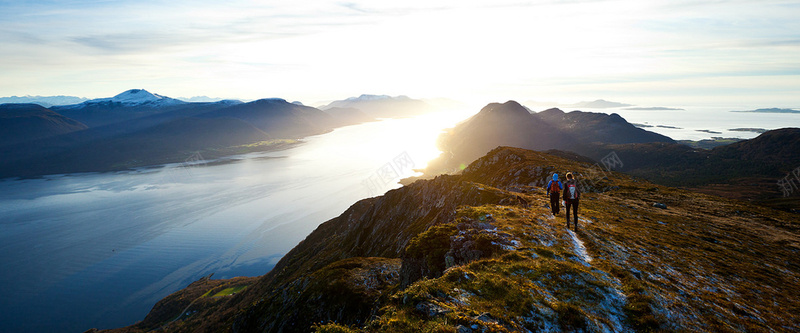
[{"x": 615, "y": 298}]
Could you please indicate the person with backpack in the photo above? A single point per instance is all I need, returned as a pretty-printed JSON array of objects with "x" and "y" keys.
[
  {"x": 553, "y": 189},
  {"x": 572, "y": 195}
]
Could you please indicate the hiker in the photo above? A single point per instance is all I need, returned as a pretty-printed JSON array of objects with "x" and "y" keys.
[
  {"x": 553, "y": 189},
  {"x": 572, "y": 195}
]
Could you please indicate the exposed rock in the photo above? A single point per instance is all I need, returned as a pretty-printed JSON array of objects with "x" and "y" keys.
[
  {"x": 486, "y": 318},
  {"x": 431, "y": 310}
]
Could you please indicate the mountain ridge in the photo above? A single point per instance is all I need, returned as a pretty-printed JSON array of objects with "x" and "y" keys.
[
  {"x": 481, "y": 252},
  {"x": 510, "y": 124},
  {"x": 115, "y": 126},
  {"x": 21, "y": 123},
  {"x": 382, "y": 106},
  {"x": 45, "y": 101}
]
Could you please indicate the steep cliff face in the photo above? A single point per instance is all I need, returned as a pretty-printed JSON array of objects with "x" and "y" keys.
[
  {"x": 377, "y": 227},
  {"x": 481, "y": 252}
]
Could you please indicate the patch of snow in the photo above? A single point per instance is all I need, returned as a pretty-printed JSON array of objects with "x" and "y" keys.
[
  {"x": 580, "y": 249},
  {"x": 612, "y": 304},
  {"x": 137, "y": 97}
]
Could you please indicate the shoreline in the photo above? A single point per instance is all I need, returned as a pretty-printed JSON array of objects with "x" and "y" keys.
[{"x": 209, "y": 157}]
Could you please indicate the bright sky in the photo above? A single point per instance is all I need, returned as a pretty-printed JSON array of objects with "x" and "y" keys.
[{"x": 650, "y": 53}]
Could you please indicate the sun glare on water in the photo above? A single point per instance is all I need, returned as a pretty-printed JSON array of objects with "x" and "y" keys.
[{"x": 425, "y": 130}]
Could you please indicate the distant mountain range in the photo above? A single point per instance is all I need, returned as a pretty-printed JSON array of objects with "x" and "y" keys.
[
  {"x": 596, "y": 104},
  {"x": 382, "y": 106},
  {"x": 139, "y": 128},
  {"x": 46, "y": 101},
  {"x": 751, "y": 166},
  {"x": 511, "y": 124},
  {"x": 656, "y": 108}
]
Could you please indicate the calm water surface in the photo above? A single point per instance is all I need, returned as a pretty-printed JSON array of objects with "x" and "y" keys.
[
  {"x": 689, "y": 124},
  {"x": 98, "y": 250}
]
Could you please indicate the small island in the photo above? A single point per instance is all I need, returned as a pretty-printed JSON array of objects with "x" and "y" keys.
[
  {"x": 772, "y": 110},
  {"x": 657, "y": 108},
  {"x": 754, "y": 130},
  {"x": 710, "y": 143}
]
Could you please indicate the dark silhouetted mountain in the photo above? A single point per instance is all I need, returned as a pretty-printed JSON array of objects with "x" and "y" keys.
[
  {"x": 27, "y": 122},
  {"x": 279, "y": 118},
  {"x": 45, "y": 101},
  {"x": 599, "y": 127},
  {"x": 772, "y": 154},
  {"x": 138, "y": 122},
  {"x": 747, "y": 169},
  {"x": 15, "y": 156},
  {"x": 776, "y": 147},
  {"x": 481, "y": 252},
  {"x": 169, "y": 142},
  {"x": 383, "y": 106},
  {"x": 507, "y": 124},
  {"x": 511, "y": 124}
]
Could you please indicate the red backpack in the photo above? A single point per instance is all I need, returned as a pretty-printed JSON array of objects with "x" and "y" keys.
[{"x": 554, "y": 188}]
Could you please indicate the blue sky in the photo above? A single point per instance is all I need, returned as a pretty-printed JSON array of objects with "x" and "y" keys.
[{"x": 655, "y": 53}]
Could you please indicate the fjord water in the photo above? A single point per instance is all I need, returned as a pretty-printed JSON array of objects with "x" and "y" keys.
[
  {"x": 692, "y": 122},
  {"x": 99, "y": 250}
]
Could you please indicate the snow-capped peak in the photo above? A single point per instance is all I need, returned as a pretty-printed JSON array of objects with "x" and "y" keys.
[{"x": 138, "y": 97}]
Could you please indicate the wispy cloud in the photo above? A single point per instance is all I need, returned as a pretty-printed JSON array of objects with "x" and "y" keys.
[{"x": 408, "y": 47}]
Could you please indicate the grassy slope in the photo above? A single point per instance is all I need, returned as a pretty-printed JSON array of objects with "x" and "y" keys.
[{"x": 703, "y": 264}]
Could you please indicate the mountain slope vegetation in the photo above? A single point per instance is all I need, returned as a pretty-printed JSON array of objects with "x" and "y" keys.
[
  {"x": 481, "y": 252},
  {"x": 20, "y": 123}
]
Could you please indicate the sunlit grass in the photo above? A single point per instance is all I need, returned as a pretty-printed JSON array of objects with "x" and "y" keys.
[{"x": 229, "y": 291}]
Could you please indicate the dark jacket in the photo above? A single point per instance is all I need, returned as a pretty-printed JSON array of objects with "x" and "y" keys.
[{"x": 566, "y": 189}]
